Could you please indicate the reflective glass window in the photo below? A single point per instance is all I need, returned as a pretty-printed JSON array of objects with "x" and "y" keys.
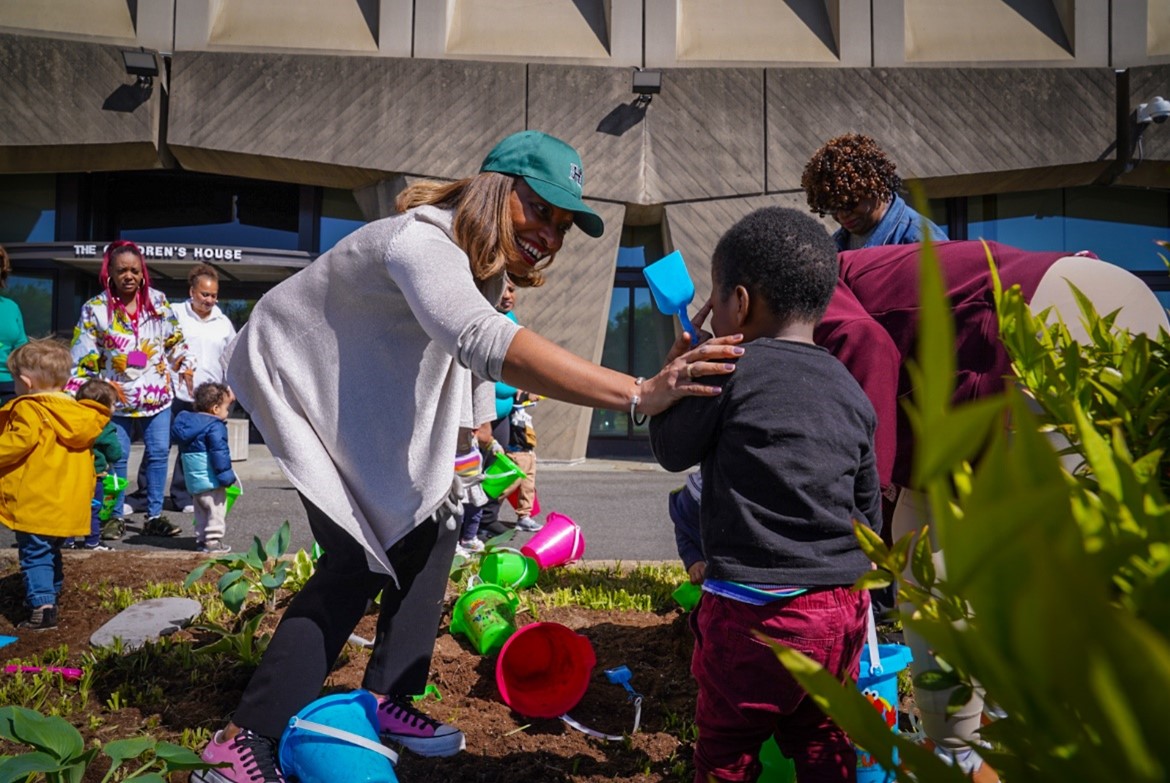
[
  {"x": 340, "y": 216},
  {"x": 182, "y": 207},
  {"x": 1118, "y": 224},
  {"x": 34, "y": 294},
  {"x": 28, "y": 209}
]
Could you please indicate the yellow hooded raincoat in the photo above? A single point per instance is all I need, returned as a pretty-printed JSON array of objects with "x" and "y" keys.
[{"x": 46, "y": 467}]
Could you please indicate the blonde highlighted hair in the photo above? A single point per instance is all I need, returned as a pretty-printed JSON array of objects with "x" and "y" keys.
[
  {"x": 46, "y": 361},
  {"x": 482, "y": 225}
]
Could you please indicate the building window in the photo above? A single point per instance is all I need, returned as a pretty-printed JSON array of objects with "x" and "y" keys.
[
  {"x": 637, "y": 336},
  {"x": 28, "y": 208},
  {"x": 34, "y": 294},
  {"x": 192, "y": 208},
  {"x": 340, "y": 216},
  {"x": 1120, "y": 225}
]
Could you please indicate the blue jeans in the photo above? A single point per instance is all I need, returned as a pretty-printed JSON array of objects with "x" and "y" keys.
[
  {"x": 40, "y": 562},
  {"x": 95, "y": 520},
  {"x": 155, "y": 432}
]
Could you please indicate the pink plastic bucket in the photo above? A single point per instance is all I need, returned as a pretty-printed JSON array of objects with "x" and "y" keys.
[
  {"x": 557, "y": 543},
  {"x": 544, "y": 670}
]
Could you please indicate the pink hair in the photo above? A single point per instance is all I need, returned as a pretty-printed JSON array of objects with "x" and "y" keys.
[{"x": 143, "y": 295}]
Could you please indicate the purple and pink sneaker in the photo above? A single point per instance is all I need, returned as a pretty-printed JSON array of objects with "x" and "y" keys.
[
  {"x": 252, "y": 759},
  {"x": 401, "y": 723}
]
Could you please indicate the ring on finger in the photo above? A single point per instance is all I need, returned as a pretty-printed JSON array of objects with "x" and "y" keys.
[{"x": 691, "y": 371}]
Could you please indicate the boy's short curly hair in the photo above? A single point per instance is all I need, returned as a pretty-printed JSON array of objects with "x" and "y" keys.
[
  {"x": 782, "y": 255},
  {"x": 47, "y": 361},
  {"x": 209, "y": 395},
  {"x": 99, "y": 391},
  {"x": 846, "y": 170}
]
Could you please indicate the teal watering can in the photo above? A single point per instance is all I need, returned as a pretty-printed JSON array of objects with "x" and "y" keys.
[{"x": 673, "y": 290}]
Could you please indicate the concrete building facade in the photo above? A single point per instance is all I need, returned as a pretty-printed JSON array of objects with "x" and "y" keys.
[{"x": 274, "y": 125}]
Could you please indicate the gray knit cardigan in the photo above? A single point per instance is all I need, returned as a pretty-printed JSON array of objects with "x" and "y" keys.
[{"x": 359, "y": 370}]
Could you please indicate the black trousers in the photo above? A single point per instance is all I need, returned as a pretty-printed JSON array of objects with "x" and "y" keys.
[{"x": 323, "y": 614}]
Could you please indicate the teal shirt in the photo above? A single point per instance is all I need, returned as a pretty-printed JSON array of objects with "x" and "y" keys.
[{"x": 12, "y": 334}]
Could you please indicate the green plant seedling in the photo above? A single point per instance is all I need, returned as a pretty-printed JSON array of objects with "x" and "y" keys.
[
  {"x": 260, "y": 570},
  {"x": 59, "y": 754}
]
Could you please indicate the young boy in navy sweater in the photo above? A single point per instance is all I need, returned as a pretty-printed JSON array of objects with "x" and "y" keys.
[
  {"x": 787, "y": 462},
  {"x": 202, "y": 436}
]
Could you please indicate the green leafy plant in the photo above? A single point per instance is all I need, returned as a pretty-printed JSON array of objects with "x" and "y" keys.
[
  {"x": 1030, "y": 606},
  {"x": 59, "y": 754},
  {"x": 261, "y": 571},
  {"x": 303, "y": 567},
  {"x": 239, "y": 642}
]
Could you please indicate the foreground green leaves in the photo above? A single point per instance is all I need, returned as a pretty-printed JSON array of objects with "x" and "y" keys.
[
  {"x": 59, "y": 754},
  {"x": 1056, "y": 598}
]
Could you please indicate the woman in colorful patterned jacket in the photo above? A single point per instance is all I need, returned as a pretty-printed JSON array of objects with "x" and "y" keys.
[{"x": 128, "y": 335}]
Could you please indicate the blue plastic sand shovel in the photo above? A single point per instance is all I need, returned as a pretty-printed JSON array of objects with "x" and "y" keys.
[{"x": 671, "y": 285}]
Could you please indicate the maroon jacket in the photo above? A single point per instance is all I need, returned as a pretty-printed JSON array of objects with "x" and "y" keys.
[{"x": 871, "y": 325}]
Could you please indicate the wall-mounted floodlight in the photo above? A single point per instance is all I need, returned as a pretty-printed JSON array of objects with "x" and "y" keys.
[
  {"x": 647, "y": 84},
  {"x": 142, "y": 64}
]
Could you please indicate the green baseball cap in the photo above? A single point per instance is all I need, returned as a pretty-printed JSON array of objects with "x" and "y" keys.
[{"x": 551, "y": 168}]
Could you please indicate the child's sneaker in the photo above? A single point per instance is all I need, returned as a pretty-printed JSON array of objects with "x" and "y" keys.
[
  {"x": 160, "y": 526},
  {"x": 252, "y": 759},
  {"x": 213, "y": 548},
  {"x": 43, "y": 618},
  {"x": 113, "y": 529},
  {"x": 400, "y": 722},
  {"x": 528, "y": 524},
  {"x": 472, "y": 545},
  {"x": 98, "y": 547}
]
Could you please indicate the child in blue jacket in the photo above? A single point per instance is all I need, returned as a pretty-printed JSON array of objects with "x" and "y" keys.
[{"x": 202, "y": 437}]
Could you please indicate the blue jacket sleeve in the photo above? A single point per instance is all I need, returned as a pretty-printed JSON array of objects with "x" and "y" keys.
[{"x": 219, "y": 456}]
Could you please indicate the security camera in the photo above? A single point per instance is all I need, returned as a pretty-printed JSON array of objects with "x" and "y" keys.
[{"x": 1157, "y": 110}]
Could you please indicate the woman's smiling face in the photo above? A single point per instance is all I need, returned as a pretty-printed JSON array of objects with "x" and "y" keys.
[{"x": 539, "y": 227}]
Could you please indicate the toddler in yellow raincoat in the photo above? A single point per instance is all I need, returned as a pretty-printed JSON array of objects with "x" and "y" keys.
[{"x": 46, "y": 469}]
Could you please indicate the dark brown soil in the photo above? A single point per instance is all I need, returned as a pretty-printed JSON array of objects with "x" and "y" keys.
[{"x": 501, "y": 745}]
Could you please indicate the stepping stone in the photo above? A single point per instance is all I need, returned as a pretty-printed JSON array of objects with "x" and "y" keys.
[{"x": 146, "y": 621}]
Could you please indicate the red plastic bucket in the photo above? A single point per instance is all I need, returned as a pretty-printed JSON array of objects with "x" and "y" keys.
[{"x": 543, "y": 670}]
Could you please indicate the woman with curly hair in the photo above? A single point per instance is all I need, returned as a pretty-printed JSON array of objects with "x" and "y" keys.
[{"x": 851, "y": 179}]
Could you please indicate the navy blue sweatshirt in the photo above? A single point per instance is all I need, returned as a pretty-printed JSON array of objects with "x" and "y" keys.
[{"x": 788, "y": 463}]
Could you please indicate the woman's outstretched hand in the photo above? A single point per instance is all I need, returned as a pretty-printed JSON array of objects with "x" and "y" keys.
[{"x": 685, "y": 365}]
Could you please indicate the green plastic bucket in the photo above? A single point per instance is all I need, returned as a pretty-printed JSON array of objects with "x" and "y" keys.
[
  {"x": 509, "y": 568},
  {"x": 232, "y": 492},
  {"x": 485, "y": 614},
  {"x": 500, "y": 476}
]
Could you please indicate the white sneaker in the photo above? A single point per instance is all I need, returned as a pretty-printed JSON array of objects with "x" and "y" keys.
[
  {"x": 188, "y": 509},
  {"x": 127, "y": 510},
  {"x": 472, "y": 545},
  {"x": 528, "y": 524}
]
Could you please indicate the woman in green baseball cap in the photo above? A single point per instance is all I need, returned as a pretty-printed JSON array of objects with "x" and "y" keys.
[{"x": 360, "y": 371}]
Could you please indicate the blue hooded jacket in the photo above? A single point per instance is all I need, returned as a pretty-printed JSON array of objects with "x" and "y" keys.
[{"x": 203, "y": 447}]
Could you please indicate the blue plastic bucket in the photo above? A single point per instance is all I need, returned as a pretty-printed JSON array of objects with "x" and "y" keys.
[
  {"x": 334, "y": 733},
  {"x": 880, "y": 686}
]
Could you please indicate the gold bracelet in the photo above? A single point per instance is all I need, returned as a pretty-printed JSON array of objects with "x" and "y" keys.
[{"x": 635, "y": 401}]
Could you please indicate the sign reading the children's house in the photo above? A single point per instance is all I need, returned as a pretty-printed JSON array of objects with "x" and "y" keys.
[{"x": 174, "y": 252}]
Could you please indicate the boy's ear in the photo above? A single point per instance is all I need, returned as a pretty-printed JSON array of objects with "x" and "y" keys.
[
  {"x": 27, "y": 381},
  {"x": 743, "y": 305}
]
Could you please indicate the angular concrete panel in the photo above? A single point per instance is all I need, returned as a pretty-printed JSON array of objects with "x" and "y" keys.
[
  {"x": 571, "y": 309},
  {"x": 372, "y": 114},
  {"x": 70, "y": 106},
  {"x": 943, "y": 122},
  {"x": 701, "y": 137}
]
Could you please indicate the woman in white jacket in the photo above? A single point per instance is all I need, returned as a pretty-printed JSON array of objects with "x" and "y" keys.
[{"x": 359, "y": 371}]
